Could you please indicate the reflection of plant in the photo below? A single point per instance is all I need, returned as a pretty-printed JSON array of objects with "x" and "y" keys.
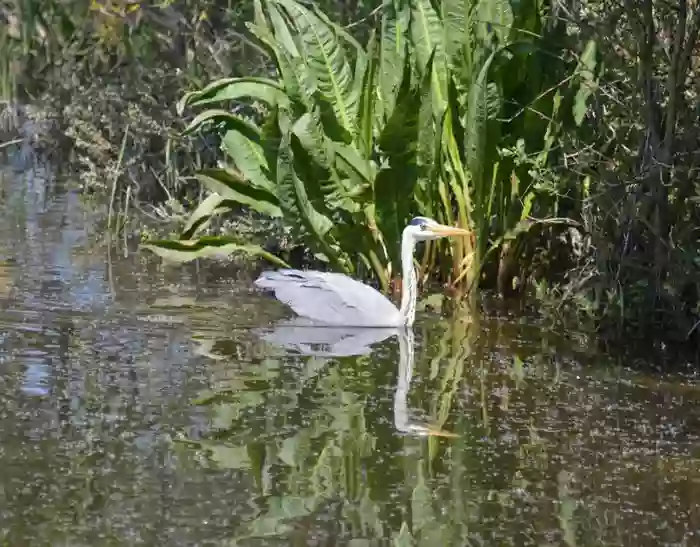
[{"x": 312, "y": 436}]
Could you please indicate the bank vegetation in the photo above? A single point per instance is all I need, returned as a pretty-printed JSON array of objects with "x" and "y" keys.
[{"x": 563, "y": 135}]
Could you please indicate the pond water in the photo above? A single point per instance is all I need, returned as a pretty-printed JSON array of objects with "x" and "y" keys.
[{"x": 140, "y": 406}]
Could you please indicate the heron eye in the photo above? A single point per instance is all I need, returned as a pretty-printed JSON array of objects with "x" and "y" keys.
[{"x": 423, "y": 227}]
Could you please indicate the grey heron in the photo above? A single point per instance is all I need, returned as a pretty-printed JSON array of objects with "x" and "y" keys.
[{"x": 336, "y": 299}]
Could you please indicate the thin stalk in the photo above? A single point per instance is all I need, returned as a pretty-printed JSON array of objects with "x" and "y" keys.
[{"x": 114, "y": 182}]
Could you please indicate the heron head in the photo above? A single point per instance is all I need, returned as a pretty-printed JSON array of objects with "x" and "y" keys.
[{"x": 424, "y": 229}]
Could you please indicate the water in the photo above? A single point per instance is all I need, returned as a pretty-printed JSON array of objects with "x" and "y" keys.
[{"x": 139, "y": 407}]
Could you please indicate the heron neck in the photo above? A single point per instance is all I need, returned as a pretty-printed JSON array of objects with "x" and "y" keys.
[{"x": 409, "y": 281}]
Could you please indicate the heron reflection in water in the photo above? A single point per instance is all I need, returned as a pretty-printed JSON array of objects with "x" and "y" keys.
[
  {"x": 344, "y": 341},
  {"x": 324, "y": 298}
]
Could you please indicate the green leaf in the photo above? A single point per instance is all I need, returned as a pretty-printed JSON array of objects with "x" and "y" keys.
[
  {"x": 394, "y": 186},
  {"x": 213, "y": 205},
  {"x": 315, "y": 164},
  {"x": 298, "y": 83},
  {"x": 326, "y": 60},
  {"x": 248, "y": 156},
  {"x": 225, "y": 89},
  {"x": 207, "y": 247},
  {"x": 404, "y": 537},
  {"x": 230, "y": 186},
  {"x": 476, "y": 136},
  {"x": 421, "y": 506},
  {"x": 427, "y": 38},
  {"x": 458, "y": 20},
  {"x": 295, "y": 201},
  {"x": 350, "y": 162},
  {"x": 228, "y": 119},
  {"x": 294, "y": 448},
  {"x": 283, "y": 31},
  {"x": 580, "y": 106},
  {"x": 393, "y": 50},
  {"x": 274, "y": 127},
  {"x": 585, "y": 71},
  {"x": 588, "y": 59},
  {"x": 368, "y": 101},
  {"x": 276, "y": 35},
  {"x": 495, "y": 17}
]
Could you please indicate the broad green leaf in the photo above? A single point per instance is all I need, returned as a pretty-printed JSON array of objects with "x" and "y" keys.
[
  {"x": 228, "y": 119},
  {"x": 475, "y": 127},
  {"x": 588, "y": 59},
  {"x": 458, "y": 20},
  {"x": 211, "y": 206},
  {"x": 324, "y": 55},
  {"x": 314, "y": 163},
  {"x": 394, "y": 186},
  {"x": 282, "y": 29},
  {"x": 495, "y": 17},
  {"x": 404, "y": 537},
  {"x": 369, "y": 98},
  {"x": 360, "y": 171},
  {"x": 428, "y": 137},
  {"x": 585, "y": 71},
  {"x": 261, "y": 89},
  {"x": 580, "y": 106},
  {"x": 421, "y": 505},
  {"x": 248, "y": 156},
  {"x": 295, "y": 201},
  {"x": 298, "y": 83},
  {"x": 274, "y": 127},
  {"x": 207, "y": 247},
  {"x": 230, "y": 186},
  {"x": 393, "y": 50},
  {"x": 277, "y": 35},
  {"x": 427, "y": 38},
  {"x": 293, "y": 449},
  {"x": 260, "y": 28},
  {"x": 331, "y": 125}
]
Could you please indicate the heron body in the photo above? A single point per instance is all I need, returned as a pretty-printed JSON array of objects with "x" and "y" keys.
[
  {"x": 335, "y": 299},
  {"x": 345, "y": 301}
]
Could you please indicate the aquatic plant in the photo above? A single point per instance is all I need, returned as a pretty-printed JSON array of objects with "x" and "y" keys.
[{"x": 355, "y": 139}]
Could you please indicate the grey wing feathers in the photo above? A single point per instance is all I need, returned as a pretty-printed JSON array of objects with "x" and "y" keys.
[{"x": 330, "y": 298}]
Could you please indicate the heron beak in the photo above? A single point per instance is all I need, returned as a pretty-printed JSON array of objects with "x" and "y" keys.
[{"x": 442, "y": 230}]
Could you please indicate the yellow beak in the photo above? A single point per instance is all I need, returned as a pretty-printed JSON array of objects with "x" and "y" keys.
[{"x": 442, "y": 230}]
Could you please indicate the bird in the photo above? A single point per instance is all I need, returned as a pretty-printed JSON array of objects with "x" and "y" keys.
[{"x": 333, "y": 299}]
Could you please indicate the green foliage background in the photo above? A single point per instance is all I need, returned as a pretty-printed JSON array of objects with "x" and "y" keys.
[{"x": 563, "y": 136}]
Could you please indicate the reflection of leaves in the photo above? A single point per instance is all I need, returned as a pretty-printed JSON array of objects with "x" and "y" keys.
[
  {"x": 292, "y": 447},
  {"x": 319, "y": 432},
  {"x": 228, "y": 457},
  {"x": 359, "y": 543},
  {"x": 280, "y": 510},
  {"x": 421, "y": 505},
  {"x": 369, "y": 515},
  {"x": 404, "y": 537}
]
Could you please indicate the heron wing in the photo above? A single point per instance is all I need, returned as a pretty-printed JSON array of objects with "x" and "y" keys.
[{"x": 330, "y": 298}]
